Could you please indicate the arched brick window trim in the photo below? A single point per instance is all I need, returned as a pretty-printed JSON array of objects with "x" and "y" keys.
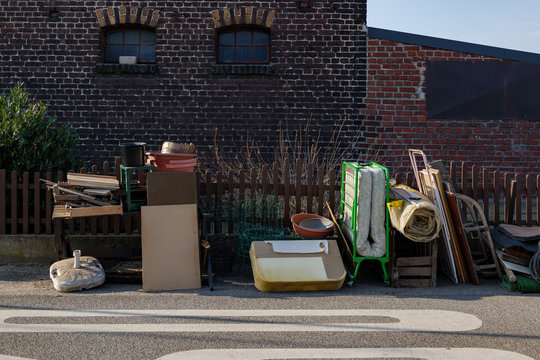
[
  {"x": 243, "y": 16},
  {"x": 127, "y": 15}
]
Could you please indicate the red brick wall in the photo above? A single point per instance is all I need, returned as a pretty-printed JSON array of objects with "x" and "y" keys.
[
  {"x": 318, "y": 54},
  {"x": 396, "y": 116}
]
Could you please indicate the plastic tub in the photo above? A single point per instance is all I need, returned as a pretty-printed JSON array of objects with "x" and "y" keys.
[
  {"x": 312, "y": 225},
  {"x": 173, "y": 162}
]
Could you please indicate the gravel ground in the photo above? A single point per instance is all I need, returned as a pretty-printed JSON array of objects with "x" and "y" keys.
[{"x": 24, "y": 279}]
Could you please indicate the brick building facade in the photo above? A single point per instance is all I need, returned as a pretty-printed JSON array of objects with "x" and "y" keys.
[
  {"x": 316, "y": 68},
  {"x": 395, "y": 114}
]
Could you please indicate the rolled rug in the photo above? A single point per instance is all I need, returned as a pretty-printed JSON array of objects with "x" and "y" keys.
[{"x": 417, "y": 218}]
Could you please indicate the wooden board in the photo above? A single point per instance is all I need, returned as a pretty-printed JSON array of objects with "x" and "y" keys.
[
  {"x": 414, "y": 261},
  {"x": 170, "y": 247},
  {"x": 65, "y": 212},
  {"x": 462, "y": 238},
  {"x": 447, "y": 255},
  {"x": 61, "y": 212},
  {"x": 454, "y": 242},
  {"x": 171, "y": 188},
  {"x": 439, "y": 166},
  {"x": 98, "y": 192},
  {"x": 93, "y": 181}
]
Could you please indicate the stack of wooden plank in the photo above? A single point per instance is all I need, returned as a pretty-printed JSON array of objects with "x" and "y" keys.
[
  {"x": 85, "y": 195},
  {"x": 464, "y": 224}
]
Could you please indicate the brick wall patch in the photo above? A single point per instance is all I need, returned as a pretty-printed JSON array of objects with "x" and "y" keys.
[
  {"x": 233, "y": 16},
  {"x": 124, "y": 15}
]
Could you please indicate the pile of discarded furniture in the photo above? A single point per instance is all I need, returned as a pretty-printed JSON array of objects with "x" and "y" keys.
[{"x": 405, "y": 232}]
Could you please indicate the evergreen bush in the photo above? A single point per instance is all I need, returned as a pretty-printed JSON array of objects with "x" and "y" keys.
[{"x": 31, "y": 142}]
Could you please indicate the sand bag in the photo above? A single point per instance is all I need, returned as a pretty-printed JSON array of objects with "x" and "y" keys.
[
  {"x": 77, "y": 273},
  {"x": 415, "y": 216}
]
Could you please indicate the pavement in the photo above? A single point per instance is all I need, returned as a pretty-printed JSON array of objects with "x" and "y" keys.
[{"x": 367, "y": 320}]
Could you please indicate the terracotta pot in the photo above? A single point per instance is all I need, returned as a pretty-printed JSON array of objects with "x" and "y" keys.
[{"x": 312, "y": 225}]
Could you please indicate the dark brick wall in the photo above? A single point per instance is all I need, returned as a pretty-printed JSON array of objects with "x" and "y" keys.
[
  {"x": 318, "y": 58},
  {"x": 396, "y": 116}
]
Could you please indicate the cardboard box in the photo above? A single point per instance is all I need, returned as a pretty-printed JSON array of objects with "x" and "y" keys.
[{"x": 170, "y": 247}]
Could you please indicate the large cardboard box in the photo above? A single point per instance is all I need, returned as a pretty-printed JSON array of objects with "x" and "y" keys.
[
  {"x": 170, "y": 247},
  {"x": 171, "y": 188}
]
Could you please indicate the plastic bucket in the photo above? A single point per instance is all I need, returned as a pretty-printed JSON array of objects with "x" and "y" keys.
[{"x": 133, "y": 154}]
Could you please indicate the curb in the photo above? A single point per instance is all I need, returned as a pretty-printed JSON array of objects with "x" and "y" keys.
[{"x": 40, "y": 250}]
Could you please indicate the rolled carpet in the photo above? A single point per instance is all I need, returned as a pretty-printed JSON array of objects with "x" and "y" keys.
[{"x": 416, "y": 218}]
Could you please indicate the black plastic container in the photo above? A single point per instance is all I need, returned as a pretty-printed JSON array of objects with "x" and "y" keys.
[{"x": 132, "y": 154}]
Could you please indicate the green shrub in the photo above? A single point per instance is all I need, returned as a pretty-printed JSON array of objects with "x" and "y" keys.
[{"x": 31, "y": 142}]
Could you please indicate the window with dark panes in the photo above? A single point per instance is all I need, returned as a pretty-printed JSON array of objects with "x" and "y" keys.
[
  {"x": 140, "y": 43},
  {"x": 243, "y": 46}
]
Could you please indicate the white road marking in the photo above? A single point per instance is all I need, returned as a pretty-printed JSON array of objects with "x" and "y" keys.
[
  {"x": 358, "y": 353},
  {"x": 408, "y": 320}
]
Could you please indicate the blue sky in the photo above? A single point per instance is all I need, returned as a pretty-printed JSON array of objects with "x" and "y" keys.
[{"x": 512, "y": 24}]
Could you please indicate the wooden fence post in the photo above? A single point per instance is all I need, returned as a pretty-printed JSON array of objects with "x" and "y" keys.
[
  {"x": 496, "y": 198},
  {"x": 264, "y": 180},
  {"x": 465, "y": 188},
  {"x": 487, "y": 189},
  {"x": 332, "y": 195},
  {"x": 219, "y": 188},
  {"x": 37, "y": 203},
  {"x": 117, "y": 162},
  {"x": 105, "y": 219},
  {"x": 507, "y": 198},
  {"x": 287, "y": 191},
  {"x": 253, "y": 183},
  {"x": 474, "y": 183},
  {"x": 275, "y": 178},
  {"x": 453, "y": 176},
  {"x": 2, "y": 201},
  {"x": 320, "y": 184},
  {"x": 242, "y": 186},
  {"x": 230, "y": 187},
  {"x": 529, "y": 187},
  {"x": 537, "y": 200},
  {"x": 13, "y": 187},
  {"x": 309, "y": 188},
  {"x": 518, "y": 193},
  {"x": 25, "y": 198},
  {"x": 520, "y": 179},
  {"x": 409, "y": 180},
  {"x": 298, "y": 185}
]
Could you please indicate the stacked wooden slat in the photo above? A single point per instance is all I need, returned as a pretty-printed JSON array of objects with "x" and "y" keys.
[{"x": 85, "y": 195}]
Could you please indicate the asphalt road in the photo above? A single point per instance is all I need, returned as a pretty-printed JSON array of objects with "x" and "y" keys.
[{"x": 367, "y": 320}]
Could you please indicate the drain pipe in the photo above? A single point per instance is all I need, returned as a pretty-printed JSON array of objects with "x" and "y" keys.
[{"x": 76, "y": 259}]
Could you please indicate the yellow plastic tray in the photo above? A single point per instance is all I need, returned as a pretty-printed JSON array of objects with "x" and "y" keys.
[{"x": 280, "y": 272}]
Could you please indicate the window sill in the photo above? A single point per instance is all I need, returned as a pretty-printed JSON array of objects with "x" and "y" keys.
[
  {"x": 243, "y": 69},
  {"x": 110, "y": 68}
]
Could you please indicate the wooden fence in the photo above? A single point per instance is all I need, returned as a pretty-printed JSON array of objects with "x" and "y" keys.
[{"x": 26, "y": 204}]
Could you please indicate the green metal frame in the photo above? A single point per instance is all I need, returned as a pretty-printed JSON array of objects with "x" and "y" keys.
[
  {"x": 125, "y": 181},
  {"x": 357, "y": 260}
]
